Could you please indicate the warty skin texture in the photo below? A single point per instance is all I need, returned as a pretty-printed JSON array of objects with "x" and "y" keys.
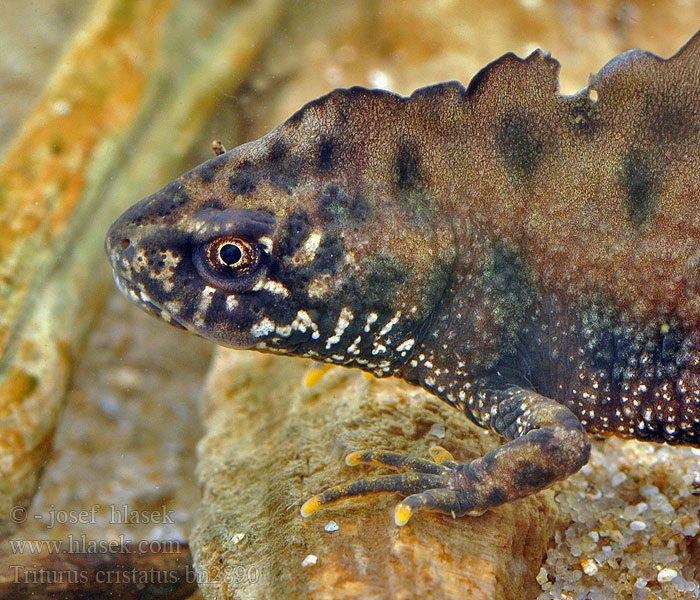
[{"x": 530, "y": 258}]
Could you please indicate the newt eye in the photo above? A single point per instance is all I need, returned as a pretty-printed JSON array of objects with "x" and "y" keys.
[
  {"x": 227, "y": 262},
  {"x": 233, "y": 255}
]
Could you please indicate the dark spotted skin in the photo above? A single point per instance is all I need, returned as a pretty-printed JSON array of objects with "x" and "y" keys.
[{"x": 530, "y": 258}]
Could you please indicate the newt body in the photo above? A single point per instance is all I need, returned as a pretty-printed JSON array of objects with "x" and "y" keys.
[{"x": 532, "y": 259}]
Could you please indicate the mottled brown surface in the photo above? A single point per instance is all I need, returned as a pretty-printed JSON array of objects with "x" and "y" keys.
[
  {"x": 294, "y": 423},
  {"x": 400, "y": 46},
  {"x": 525, "y": 256},
  {"x": 267, "y": 114}
]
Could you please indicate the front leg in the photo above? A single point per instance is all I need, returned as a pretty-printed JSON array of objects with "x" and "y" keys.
[{"x": 547, "y": 443}]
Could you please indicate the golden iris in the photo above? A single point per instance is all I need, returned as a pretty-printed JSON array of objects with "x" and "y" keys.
[{"x": 232, "y": 254}]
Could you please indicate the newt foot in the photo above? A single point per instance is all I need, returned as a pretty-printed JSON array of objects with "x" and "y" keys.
[{"x": 430, "y": 485}]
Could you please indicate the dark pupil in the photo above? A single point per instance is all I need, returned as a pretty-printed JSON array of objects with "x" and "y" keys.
[{"x": 230, "y": 254}]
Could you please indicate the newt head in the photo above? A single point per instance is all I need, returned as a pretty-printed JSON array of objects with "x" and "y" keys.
[{"x": 297, "y": 243}]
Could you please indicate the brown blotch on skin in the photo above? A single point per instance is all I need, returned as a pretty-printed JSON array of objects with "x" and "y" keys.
[
  {"x": 641, "y": 184},
  {"x": 518, "y": 144},
  {"x": 337, "y": 206},
  {"x": 208, "y": 171},
  {"x": 329, "y": 254},
  {"x": 533, "y": 476},
  {"x": 326, "y": 148},
  {"x": 278, "y": 151},
  {"x": 407, "y": 171},
  {"x": 278, "y": 169},
  {"x": 245, "y": 180},
  {"x": 298, "y": 229},
  {"x": 496, "y": 497}
]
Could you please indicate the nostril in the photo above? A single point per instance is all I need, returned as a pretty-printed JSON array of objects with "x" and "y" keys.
[{"x": 125, "y": 243}]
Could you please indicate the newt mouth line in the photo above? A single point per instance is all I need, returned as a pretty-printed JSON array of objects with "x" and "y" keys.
[{"x": 128, "y": 289}]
